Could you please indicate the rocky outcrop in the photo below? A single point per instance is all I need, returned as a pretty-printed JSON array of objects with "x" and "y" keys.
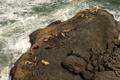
[{"x": 85, "y": 47}]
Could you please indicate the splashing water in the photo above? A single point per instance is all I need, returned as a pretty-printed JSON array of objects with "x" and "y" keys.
[{"x": 18, "y": 18}]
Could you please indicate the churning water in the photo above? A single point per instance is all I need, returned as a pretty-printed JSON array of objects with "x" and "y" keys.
[{"x": 18, "y": 18}]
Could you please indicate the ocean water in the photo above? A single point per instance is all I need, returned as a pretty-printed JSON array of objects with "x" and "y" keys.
[{"x": 18, "y": 18}]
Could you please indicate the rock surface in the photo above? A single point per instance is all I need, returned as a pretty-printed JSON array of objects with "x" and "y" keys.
[{"x": 85, "y": 47}]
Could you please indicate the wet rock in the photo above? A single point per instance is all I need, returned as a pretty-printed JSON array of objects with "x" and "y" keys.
[{"x": 85, "y": 47}]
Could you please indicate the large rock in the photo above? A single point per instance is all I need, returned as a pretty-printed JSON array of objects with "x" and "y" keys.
[{"x": 76, "y": 49}]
